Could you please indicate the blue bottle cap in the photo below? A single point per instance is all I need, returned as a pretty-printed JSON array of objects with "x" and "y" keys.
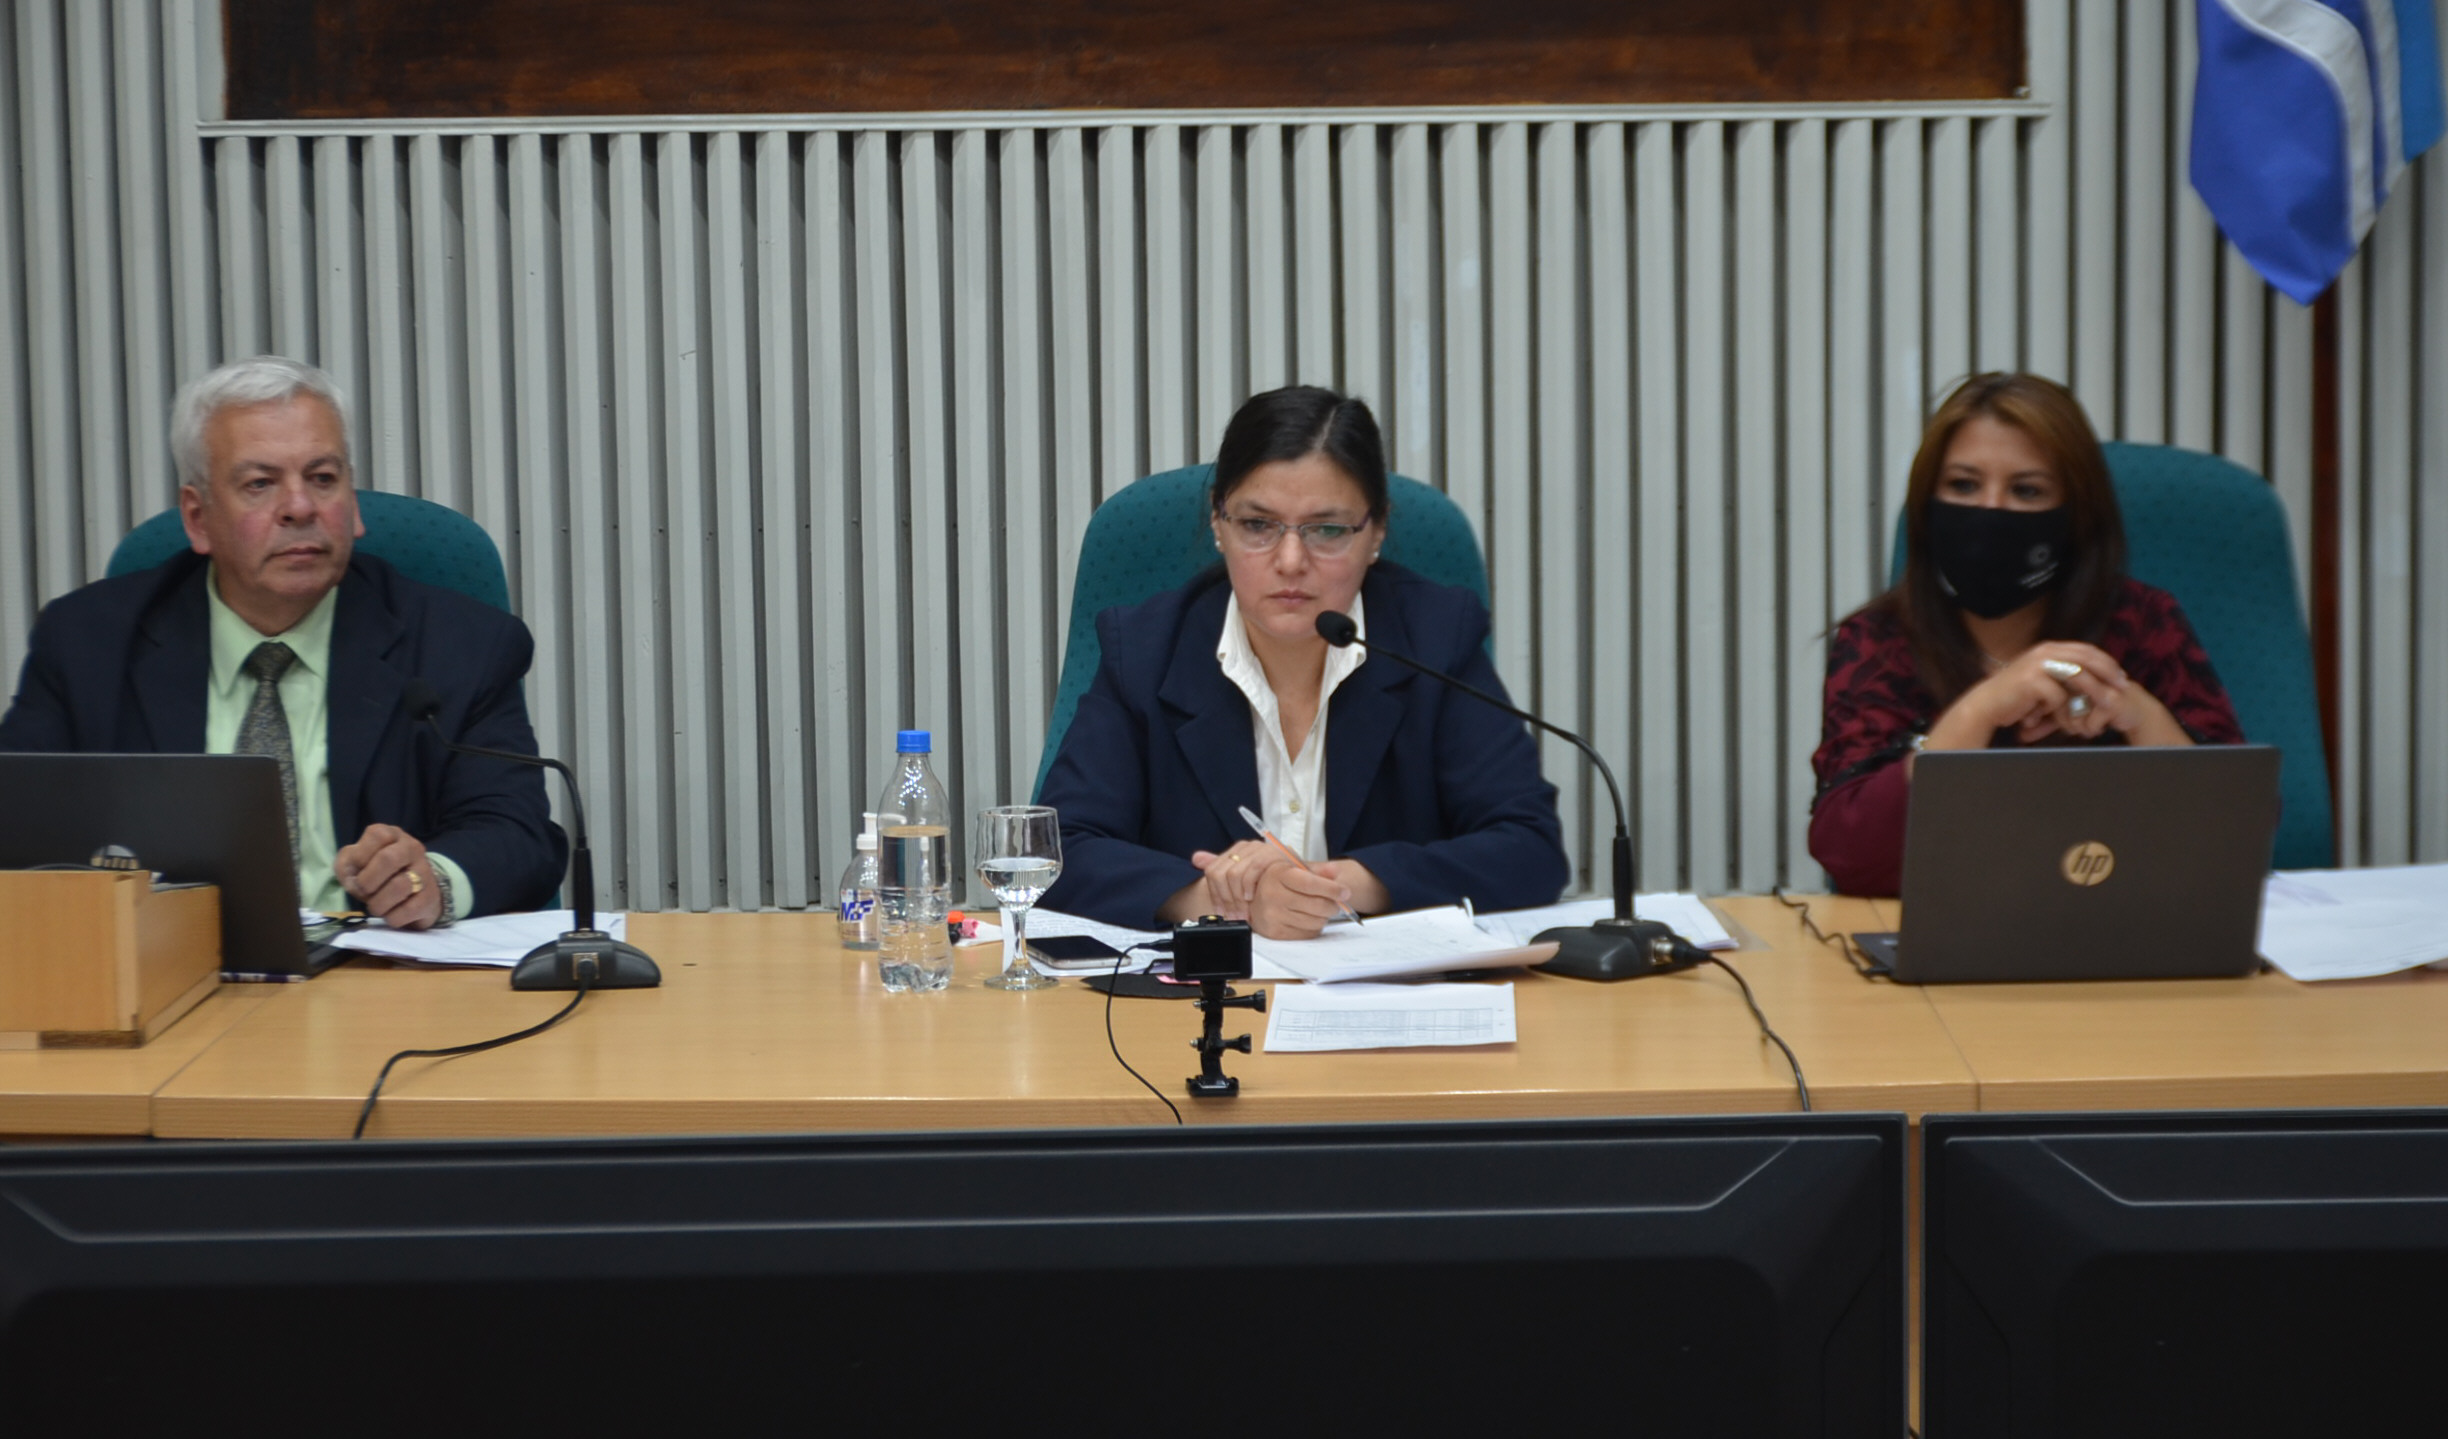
[{"x": 917, "y": 741}]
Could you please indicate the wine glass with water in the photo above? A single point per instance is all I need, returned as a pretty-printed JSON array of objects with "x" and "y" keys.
[{"x": 1019, "y": 853}]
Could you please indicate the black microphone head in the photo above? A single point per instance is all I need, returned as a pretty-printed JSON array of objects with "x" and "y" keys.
[
  {"x": 1337, "y": 629},
  {"x": 421, "y": 701}
]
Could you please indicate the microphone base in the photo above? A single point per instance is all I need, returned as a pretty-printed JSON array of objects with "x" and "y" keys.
[
  {"x": 554, "y": 964},
  {"x": 1613, "y": 949}
]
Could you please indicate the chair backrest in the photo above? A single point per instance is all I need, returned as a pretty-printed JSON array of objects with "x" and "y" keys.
[
  {"x": 1151, "y": 536},
  {"x": 2214, "y": 535},
  {"x": 423, "y": 540}
]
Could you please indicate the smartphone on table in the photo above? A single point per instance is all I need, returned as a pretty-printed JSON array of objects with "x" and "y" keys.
[{"x": 1075, "y": 952}]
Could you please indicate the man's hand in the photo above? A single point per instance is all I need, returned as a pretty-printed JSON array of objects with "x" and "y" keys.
[{"x": 388, "y": 872}]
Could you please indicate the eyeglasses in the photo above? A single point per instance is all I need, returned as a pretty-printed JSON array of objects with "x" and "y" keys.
[{"x": 1325, "y": 539}]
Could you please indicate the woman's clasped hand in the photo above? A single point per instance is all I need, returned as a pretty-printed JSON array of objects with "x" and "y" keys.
[
  {"x": 2055, "y": 687},
  {"x": 1257, "y": 882}
]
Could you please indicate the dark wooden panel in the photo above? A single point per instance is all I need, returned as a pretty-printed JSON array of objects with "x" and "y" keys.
[{"x": 324, "y": 59}]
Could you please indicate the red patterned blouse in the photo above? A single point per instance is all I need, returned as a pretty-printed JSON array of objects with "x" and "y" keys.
[{"x": 1875, "y": 704}]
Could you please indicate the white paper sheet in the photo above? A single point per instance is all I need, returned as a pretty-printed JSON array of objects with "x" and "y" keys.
[
  {"x": 2321, "y": 924},
  {"x": 1682, "y": 913},
  {"x": 1423, "y": 941},
  {"x": 495, "y": 941},
  {"x": 1047, "y": 923},
  {"x": 1308, "y": 1018}
]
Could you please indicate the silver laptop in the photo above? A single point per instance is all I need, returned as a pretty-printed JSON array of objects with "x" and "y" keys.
[
  {"x": 2084, "y": 864},
  {"x": 209, "y": 818}
]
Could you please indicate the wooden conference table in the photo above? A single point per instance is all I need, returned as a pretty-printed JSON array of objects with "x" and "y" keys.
[{"x": 764, "y": 1024}]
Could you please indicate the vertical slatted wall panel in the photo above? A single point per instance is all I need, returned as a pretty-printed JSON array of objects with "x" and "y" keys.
[
  {"x": 1710, "y": 588},
  {"x": 788, "y": 431},
  {"x": 839, "y": 733},
  {"x": 980, "y": 559},
  {"x": 1661, "y": 798},
  {"x": 2388, "y": 590},
  {"x": 2354, "y": 619},
  {"x": 2430, "y": 407},
  {"x": 57, "y": 514},
  {"x": 638, "y": 646},
  {"x": 926, "y": 478},
  {"x": 1030, "y": 645},
  {"x": 2429, "y": 779},
  {"x": 1803, "y": 461},
  {"x": 1560, "y": 539},
  {"x": 1613, "y": 570},
  {"x": 93, "y": 162},
  {"x": 20, "y": 586},
  {"x": 145, "y": 348},
  {"x": 1505, "y": 524},
  {"x": 1755, "y": 562},
  {"x": 690, "y": 550}
]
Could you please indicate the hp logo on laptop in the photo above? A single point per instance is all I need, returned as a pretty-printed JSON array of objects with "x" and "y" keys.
[{"x": 2088, "y": 863}]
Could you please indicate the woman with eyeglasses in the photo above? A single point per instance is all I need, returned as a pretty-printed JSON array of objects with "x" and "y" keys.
[
  {"x": 1394, "y": 791},
  {"x": 2014, "y": 624}
]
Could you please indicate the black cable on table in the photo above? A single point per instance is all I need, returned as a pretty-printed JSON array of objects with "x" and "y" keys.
[
  {"x": 1113, "y": 981},
  {"x": 585, "y": 975},
  {"x": 1773, "y": 1038},
  {"x": 1842, "y": 943}
]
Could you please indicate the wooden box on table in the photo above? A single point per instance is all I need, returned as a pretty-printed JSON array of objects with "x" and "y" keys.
[{"x": 101, "y": 958}]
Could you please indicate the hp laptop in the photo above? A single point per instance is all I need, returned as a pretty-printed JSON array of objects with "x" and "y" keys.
[
  {"x": 2083, "y": 864},
  {"x": 210, "y": 818}
]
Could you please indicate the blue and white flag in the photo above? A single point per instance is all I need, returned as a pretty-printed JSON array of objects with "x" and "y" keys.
[{"x": 2304, "y": 116}]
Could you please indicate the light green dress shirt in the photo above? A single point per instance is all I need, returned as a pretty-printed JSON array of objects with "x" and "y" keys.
[{"x": 302, "y": 691}]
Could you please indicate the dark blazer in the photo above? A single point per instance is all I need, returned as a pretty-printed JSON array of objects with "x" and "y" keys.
[
  {"x": 1438, "y": 794},
  {"x": 121, "y": 666}
]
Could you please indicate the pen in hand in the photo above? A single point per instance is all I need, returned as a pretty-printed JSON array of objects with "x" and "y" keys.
[{"x": 1268, "y": 835}]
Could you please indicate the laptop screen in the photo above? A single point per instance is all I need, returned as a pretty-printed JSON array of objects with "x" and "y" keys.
[
  {"x": 213, "y": 819},
  {"x": 2086, "y": 863}
]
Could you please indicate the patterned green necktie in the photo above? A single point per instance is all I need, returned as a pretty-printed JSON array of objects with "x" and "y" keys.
[{"x": 265, "y": 729}]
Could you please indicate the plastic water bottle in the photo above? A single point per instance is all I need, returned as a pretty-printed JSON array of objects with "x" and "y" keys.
[
  {"x": 859, "y": 922},
  {"x": 914, "y": 894},
  {"x": 914, "y": 795}
]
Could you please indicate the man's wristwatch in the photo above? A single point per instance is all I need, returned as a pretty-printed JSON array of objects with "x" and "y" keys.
[{"x": 442, "y": 892}]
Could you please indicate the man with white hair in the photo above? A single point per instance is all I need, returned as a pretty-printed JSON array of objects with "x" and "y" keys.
[{"x": 273, "y": 637}]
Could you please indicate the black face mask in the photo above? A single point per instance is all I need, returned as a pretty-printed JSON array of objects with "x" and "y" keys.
[{"x": 1995, "y": 562}]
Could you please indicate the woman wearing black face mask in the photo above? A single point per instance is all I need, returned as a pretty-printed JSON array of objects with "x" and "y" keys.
[{"x": 2014, "y": 624}]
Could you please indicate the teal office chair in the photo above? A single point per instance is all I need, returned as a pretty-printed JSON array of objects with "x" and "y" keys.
[
  {"x": 421, "y": 539},
  {"x": 1151, "y": 535},
  {"x": 2214, "y": 535}
]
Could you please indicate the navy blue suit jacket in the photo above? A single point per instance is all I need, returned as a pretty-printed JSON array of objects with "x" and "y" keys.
[
  {"x": 121, "y": 667},
  {"x": 1438, "y": 794}
]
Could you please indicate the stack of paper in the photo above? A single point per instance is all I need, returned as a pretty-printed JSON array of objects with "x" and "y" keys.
[
  {"x": 1307, "y": 1017},
  {"x": 496, "y": 941},
  {"x": 1423, "y": 941},
  {"x": 2355, "y": 923},
  {"x": 1048, "y": 923}
]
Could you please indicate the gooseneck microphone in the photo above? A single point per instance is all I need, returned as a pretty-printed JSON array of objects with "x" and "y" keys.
[
  {"x": 585, "y": 952},
  {"x": 1621, "y": 947}
]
